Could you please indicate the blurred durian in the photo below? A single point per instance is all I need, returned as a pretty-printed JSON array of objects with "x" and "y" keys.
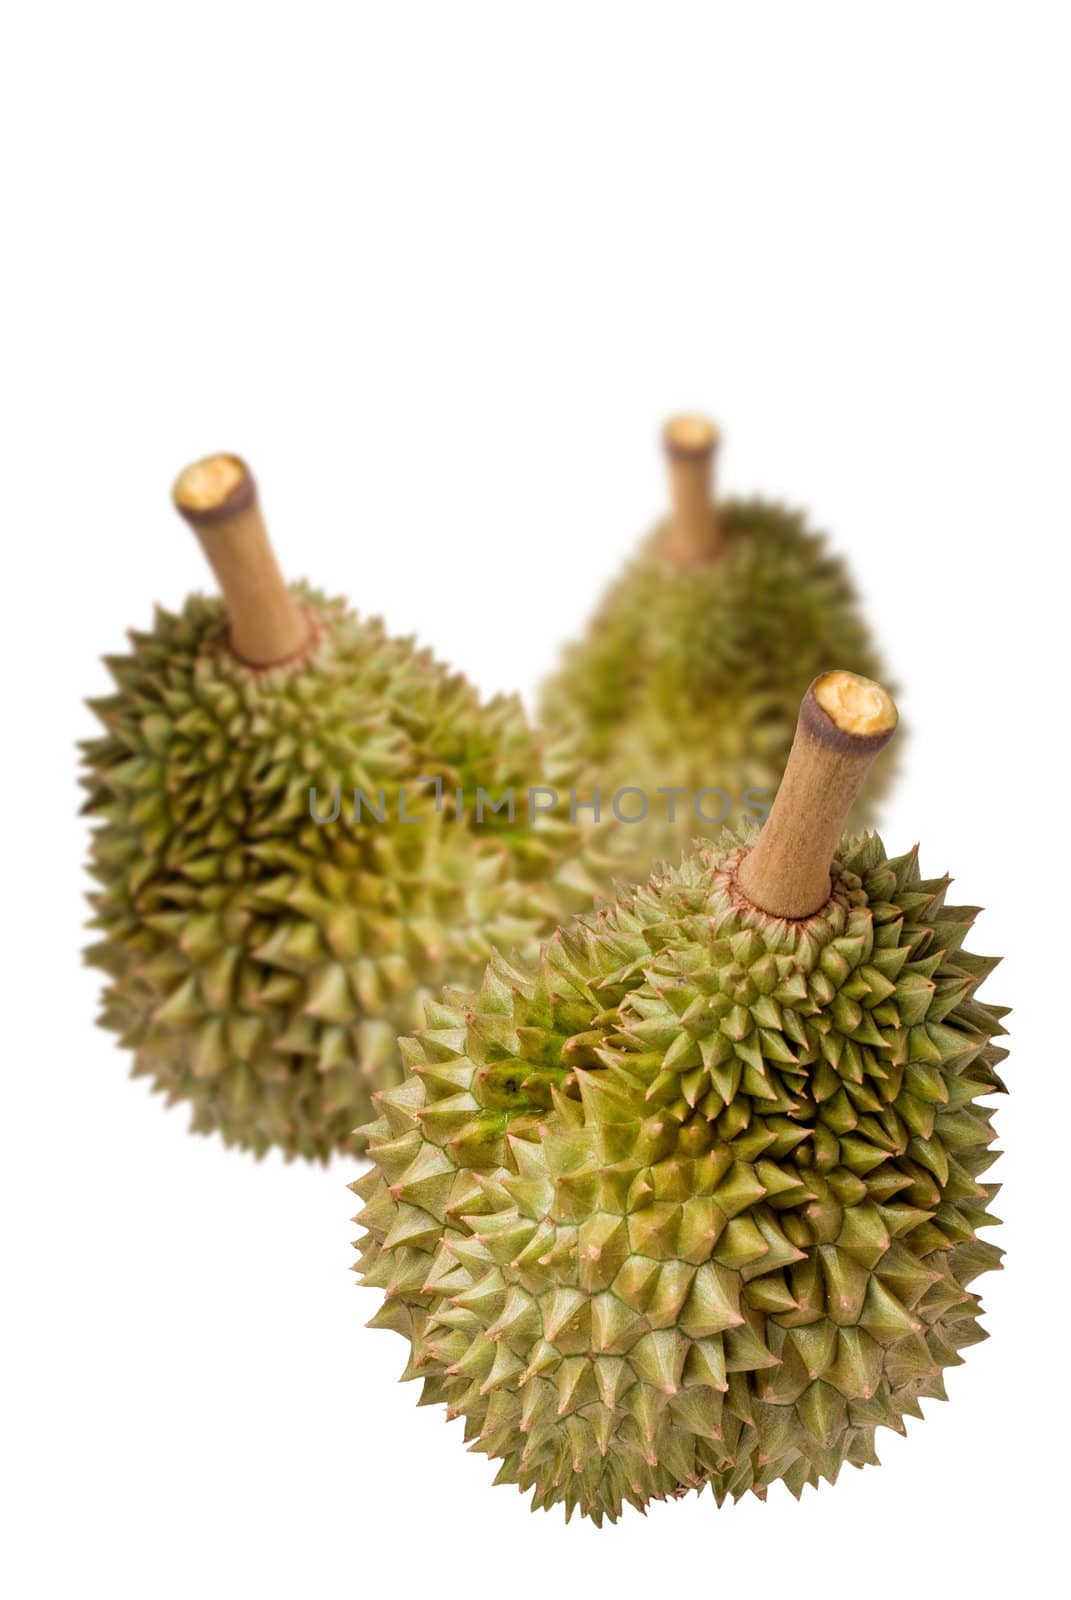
[{"x": 687, "y": 681}]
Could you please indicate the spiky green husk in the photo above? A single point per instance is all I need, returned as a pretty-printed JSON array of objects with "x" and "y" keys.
[
  {"x": 694, "y": 679},
  {"x": 261, "y": 965},
  {"x": 694, "y": 1200}
]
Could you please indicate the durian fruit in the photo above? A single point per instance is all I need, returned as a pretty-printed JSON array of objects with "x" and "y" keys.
[
  {"x": 694, "y": 1199},
  {"x": 687, "y": 681},
  {"x": 261, "y": 964}
]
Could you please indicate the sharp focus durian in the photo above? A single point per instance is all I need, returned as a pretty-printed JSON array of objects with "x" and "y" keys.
[
  {"x": 262, "y": 964},
  {"x": 687, "y": 681},
  {"x": 693, "y": 1200}
]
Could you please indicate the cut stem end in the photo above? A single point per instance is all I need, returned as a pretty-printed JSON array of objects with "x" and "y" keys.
[
  {"x": 212, "y": 488},
  {"x": 855, "y": 705}
]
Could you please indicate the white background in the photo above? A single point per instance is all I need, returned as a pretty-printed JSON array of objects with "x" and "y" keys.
[{"x": 439, "y": 270}]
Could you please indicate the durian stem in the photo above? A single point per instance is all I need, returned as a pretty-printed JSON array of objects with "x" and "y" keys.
[
  {"x": 217, "y": 496},
  {"x": 693, "y": 537},
  {"x": 844, "y": 722}
]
